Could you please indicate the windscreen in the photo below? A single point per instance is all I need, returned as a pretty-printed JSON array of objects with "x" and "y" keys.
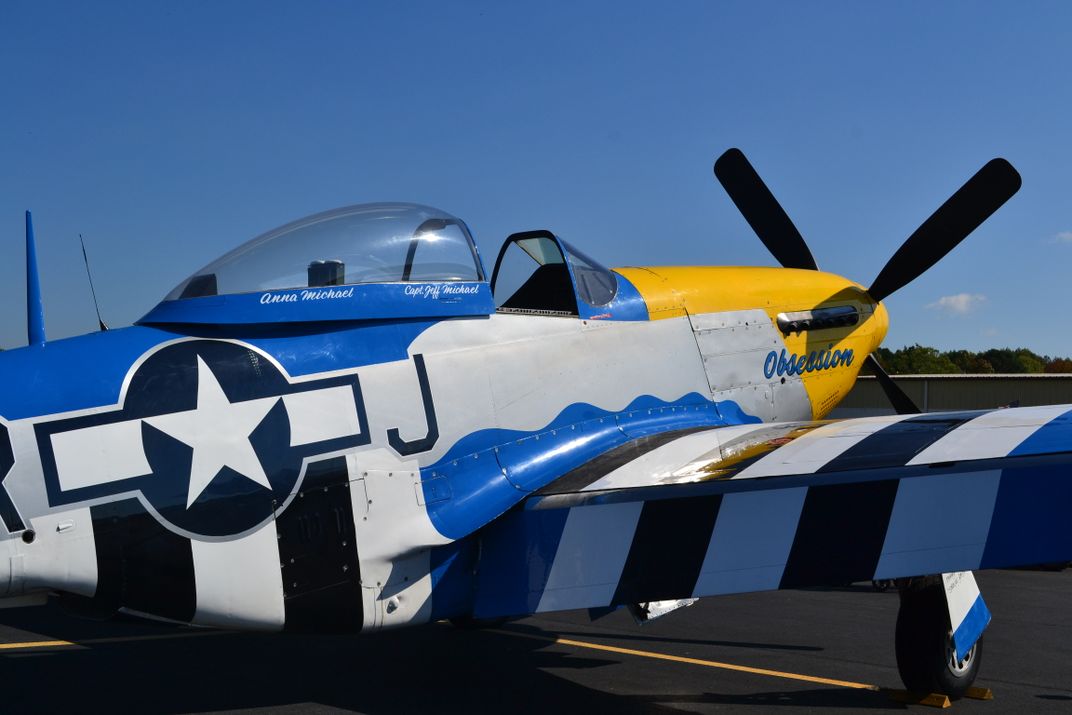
[{"x": 595, "y": 283}]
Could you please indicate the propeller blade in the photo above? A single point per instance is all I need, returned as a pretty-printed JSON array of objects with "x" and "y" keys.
[
  {"x": 901, "y": 402},
  {"x": 973, "y": 203},
  {"x": 762, "y": 211}
]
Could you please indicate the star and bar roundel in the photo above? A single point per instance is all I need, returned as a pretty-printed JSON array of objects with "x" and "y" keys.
[{"x": 211, "y": 433}]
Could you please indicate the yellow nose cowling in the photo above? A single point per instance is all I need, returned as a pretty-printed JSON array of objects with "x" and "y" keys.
[{"x": 826, "y": 360}]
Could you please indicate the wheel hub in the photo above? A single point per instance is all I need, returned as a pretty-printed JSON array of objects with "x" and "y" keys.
[{"x": 959, "y": 667}]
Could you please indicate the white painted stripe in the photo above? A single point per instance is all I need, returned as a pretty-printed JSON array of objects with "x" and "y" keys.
[
  {"x": 808, "y": 453},
  {"x": 99, "y": 455},
  {"x": 691, "y": 458},
  {"x": 751, "y": 541},
  {"x": 64, "y": 555},
  {"x": 993, "y": 434},
  {"x": 319, "y": 415},
  {"x": 734, "y": 444},
  {"x": 590, "y": 557},
  {"x": 961, "y": 591},
  {"x": 394, "y": 538},
  {"x": 239, "y": 583},
  {"x": 660, "y": 465},
  {"x": 939, "y": 523}
]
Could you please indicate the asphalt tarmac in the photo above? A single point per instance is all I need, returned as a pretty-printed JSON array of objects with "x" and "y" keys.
[{"x": 788, "y": 651}]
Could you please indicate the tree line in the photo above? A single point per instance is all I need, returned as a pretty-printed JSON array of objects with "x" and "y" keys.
[{"x": 921, "y": 360}]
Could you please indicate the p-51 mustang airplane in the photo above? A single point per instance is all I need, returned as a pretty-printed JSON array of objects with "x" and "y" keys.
[{"x": 344, "y": 425}]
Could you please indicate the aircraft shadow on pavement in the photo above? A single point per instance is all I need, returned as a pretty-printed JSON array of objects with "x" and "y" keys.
[{"x": 432, "y": 669}]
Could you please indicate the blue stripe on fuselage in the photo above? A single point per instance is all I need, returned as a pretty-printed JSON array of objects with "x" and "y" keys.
[
  {"x": 315, "y": 348},
  {"x": 451, "y": 570},
  {"x": 72, "y": 374},
  {"x": 88, "y": 371},
  {"x": 489, "y": 471},
  {"x": 499, "y": 593}
]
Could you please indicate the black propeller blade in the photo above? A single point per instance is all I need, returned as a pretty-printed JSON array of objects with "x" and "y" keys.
[
  {"x": 762, "y": 211},
  {"x": 901, "y": 402},
  {"x": 972, "y": 204}
]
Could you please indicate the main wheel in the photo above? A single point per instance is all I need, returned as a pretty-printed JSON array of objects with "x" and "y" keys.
[{"x": 924, "y": 643}]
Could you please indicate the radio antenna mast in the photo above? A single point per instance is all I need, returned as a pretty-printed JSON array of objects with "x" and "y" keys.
[{"x": 92, "y": 290}]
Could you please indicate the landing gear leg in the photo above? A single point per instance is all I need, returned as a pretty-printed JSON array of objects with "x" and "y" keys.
[{"x": 924, "y": 642}]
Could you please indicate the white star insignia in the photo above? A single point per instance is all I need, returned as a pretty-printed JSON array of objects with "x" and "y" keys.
[{"x": 218, "y": 431}]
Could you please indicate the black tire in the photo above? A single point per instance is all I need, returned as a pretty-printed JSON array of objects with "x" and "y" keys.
[{"x": 924, "y": 645}]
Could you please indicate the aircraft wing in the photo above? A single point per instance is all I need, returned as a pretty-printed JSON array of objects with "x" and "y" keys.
[{"x": 760, "y": 507}]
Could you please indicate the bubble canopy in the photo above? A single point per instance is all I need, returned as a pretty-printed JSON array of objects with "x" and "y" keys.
[
  {"x": 367, "y": 243},
  {"x": 346, "y": 263}
]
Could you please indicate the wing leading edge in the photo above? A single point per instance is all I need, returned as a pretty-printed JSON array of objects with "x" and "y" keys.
[{"x": 763, "y": 507}]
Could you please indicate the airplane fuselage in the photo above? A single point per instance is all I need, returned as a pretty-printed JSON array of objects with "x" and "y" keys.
[{"x": 331, "y": 475}]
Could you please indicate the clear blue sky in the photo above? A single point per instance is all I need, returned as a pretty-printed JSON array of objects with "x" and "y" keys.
[{"x": 166, "y": 133}]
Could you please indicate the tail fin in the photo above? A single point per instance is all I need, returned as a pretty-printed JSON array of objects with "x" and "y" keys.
[{"x": 35, "y": 309}]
